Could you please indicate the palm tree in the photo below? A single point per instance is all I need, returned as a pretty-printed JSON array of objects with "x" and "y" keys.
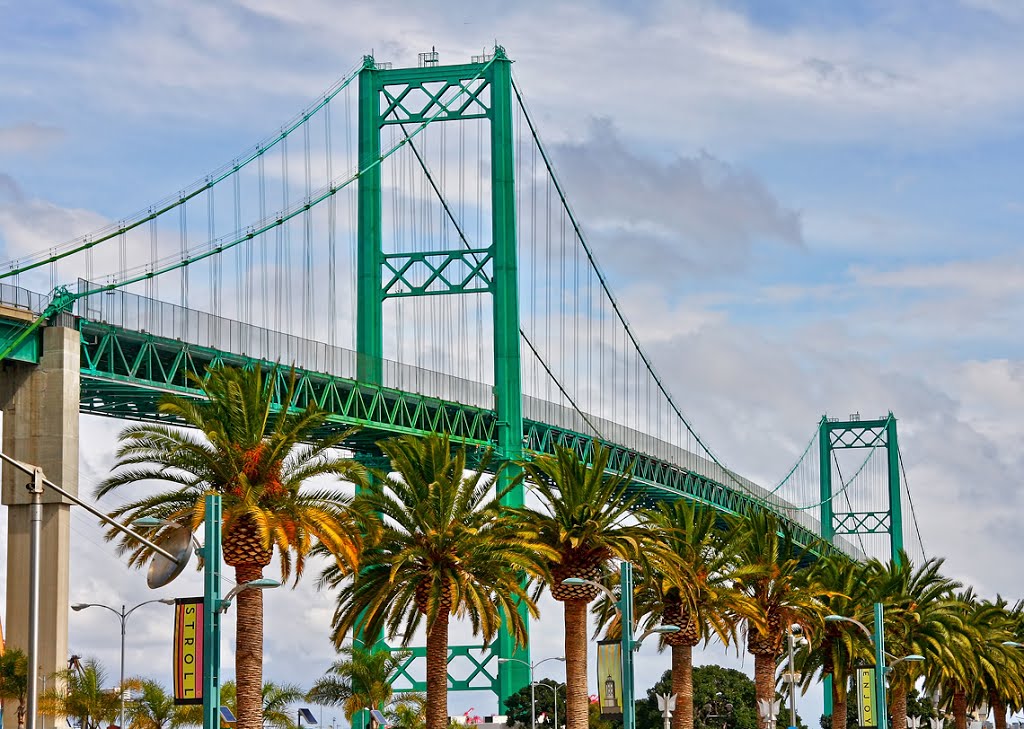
[
  {"x": 78, "y": 694},
  {"x": 154, "y": 709},
  {"x": 277, "y": 698},
  {"x": 14, "y": 679},
  {"x": 408, "y": 713},
  {"x": 258, "y": 462},
  {"x": 361, "y": 680},
  {"x": 581, "y": 526},
  {"x": 956, "y": 675},
  {"x": 688, "y": 584},
  {"x": 444, "y": 548},
  {"x": 998, "y": 679},
  {"x": 922, "y": 617},
  {"x": 844, "y": 589},
  {"x": 775, "y": 579}
]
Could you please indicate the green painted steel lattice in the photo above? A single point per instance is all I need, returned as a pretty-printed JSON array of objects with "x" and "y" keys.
[{"x": 836, "y": 435}]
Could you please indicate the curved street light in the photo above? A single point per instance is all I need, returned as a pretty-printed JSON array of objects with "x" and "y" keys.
[
  {"x": 878, "y": 640},
  {"x": 122, "y": 615},
  {"x": 531, "y": 666},
  {"x": 624, "y": 607},
  {"x": 554, "y": 696}
]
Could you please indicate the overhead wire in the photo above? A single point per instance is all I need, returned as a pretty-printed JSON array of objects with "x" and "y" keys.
[{"x": 91, "y": 240}]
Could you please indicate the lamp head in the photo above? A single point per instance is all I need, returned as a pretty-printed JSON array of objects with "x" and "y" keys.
[
  {"x": 574, "y": 581},
  {"x": 834, "y": 618},
  {"x": 262, "y": 583},
  {"x": 79, "y": 606},
  {"x": 1013, "y": 644},
  {"x": 663, "y": 629},
  {"x": 167, "y": 600},
  {"x": 915, "y": 657},
  {"x": 149, "y": 521}
]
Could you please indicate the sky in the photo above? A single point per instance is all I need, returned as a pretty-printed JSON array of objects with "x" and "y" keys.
[{"x": 808, "y": 207}]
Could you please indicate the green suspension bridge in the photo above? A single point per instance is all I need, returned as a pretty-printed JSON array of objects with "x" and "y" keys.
[{"x": 406, "y": 244}]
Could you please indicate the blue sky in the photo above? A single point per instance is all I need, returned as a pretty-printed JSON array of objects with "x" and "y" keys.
[{"x": 835, "y": 189}]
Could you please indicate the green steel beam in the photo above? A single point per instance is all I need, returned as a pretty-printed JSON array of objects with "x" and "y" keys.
[
  {"x": 26, "y": 348},
  {"x": 369, "y": 299},
  {"x": 895, "y": 495}
]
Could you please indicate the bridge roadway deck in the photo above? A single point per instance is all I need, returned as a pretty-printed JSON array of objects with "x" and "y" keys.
[{"x": 135, "y": 349}]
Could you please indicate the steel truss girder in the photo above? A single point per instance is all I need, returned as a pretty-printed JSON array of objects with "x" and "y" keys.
[
  {"x": 124, "y": 374},
  {"x": 660, "y": 480},
  {"x": 462, "y": 271}
]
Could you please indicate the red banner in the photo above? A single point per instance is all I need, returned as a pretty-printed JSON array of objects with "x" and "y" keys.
[{"x": 188, "y": 650}]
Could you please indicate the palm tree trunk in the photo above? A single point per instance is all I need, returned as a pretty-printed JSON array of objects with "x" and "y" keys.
[
  {"x": 577, "y": 700},
  {"x": 898, "y": 704},
  {"x": 839, "y": 699},
  {"x": 437, "y": 672},
  {"x": 764, "y": 681},
  {"x": 249, "y": 650},
  {"x": 682, "y": 686},
  {"x": 998, "y": 710},
  {"x": 960, "y": 708}
]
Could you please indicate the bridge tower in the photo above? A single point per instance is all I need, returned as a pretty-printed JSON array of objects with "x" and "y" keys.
[
  {"x": 413, "y": 96},
  {"x": 40, "y": 404},
  {"x": 887, "y": 518}
]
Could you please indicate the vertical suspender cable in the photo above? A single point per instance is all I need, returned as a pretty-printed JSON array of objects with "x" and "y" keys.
[
  {"x": 308, "y": 282},
  {"x": 264, "y": 268},
  {"x": 183, "y": 226},
  {"x": 332, "y": 236}
]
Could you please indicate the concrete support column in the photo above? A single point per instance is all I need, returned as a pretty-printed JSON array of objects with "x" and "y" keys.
[{"x": 40, "y": 406}]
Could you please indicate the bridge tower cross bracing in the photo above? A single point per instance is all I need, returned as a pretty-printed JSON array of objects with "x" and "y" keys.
[
  {"x": 836, "y": 435},
  {"x": 412, "y": 96}
]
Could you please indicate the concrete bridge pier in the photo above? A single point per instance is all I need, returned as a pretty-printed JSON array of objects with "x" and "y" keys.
[{"x": 40, "y": 405}]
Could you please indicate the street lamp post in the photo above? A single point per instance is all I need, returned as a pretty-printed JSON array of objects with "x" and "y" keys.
[
  {"x": 794, "y": 628},
  {"x": 554, "y": 693},
  {"x": 878, "y": 640},
  {"x": 213, "y": 604},
  {"x": 35, "y": 541},
  {"x": 123, "y": 617},
  {"x": 531, "y": 666},
  {"x": 624, "y": 607}
]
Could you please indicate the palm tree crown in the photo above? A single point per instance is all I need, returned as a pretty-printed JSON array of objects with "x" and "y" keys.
[
  {"x": 582, "y": 524},
  {"x": 445, "y": 546},
  {"x": 258, "y": 460}
]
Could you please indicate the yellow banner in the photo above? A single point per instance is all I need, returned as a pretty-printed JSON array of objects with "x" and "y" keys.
[
  {"x": 609, "y": 677},
  {"x": 866, "y": 697},
  {"x": 188, "y": 650}
]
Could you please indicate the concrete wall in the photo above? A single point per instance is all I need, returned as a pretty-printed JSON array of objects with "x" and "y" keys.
[{"x": 40, "y": 427}]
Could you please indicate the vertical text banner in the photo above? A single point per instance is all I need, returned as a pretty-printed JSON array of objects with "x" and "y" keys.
[
  {"x": 188, "y": 650},
  {"x": 609, "y": 677},
  {"x": 866, "y": 697}
]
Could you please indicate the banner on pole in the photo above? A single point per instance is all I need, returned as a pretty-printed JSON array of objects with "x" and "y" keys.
[
  {"x": 866, "y": 715},
  {"x": 188, "y": 650},
  {"x": 609, "y": 677}
]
